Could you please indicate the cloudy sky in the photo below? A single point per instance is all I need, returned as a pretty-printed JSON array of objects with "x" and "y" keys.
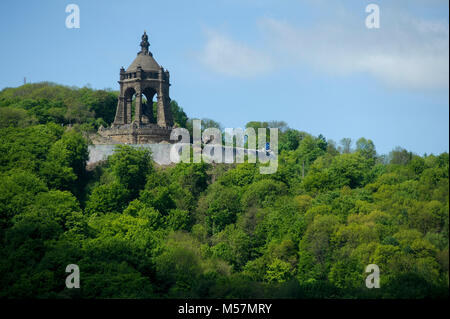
[{"x": 313, "y": 64}]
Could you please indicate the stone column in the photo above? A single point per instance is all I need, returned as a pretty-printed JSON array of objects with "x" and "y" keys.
[
  {"x": 120, "y": 112},
  {"x": 164, "y": 112},
  {"x": 128, "y": 102},
  {"x": 161, "y": 119},
  {"x": 138, "y": 107}
]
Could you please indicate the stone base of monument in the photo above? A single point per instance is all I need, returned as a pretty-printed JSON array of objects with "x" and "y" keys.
[{"x": 136, "y": 133}]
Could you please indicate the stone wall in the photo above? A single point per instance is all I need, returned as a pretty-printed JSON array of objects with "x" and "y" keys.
[
  {"x": 100, "y": 152},
  {"x": 136, "y": 134},
  {"x": 160, "y": 152}
]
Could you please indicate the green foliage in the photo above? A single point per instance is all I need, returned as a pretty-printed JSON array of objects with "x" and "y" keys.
[
  {"x": 179, "y": 117},
  {"x": 18, "y": 189},
  {"x": 178, "y": 219},
  {"x": 400, "y": 156},
  {"x": 290, "y": 140},
  {"x": 192, "y": 177},
  {"x": 366, "y": 149},
  {"x": 131, "y": 166},
  {"x": 107, "y": 198},
  {"x": 138, "y": 230},
  {"x": 345, "y": 170},
  {"x": 14, "y": 117},
  {"x": 222, "y": 208},
  {"x": 27, "y": 148},
  {"x": 66, "y": 161},
  {"x": 278, "y": 271},
  {"x": 48, "y": 102},
  {"x": 158, "y": 198},
  {"x": 262, "y": 192}
]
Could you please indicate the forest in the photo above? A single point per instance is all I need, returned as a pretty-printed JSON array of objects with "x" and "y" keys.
[{"x": 199, "y": 230}]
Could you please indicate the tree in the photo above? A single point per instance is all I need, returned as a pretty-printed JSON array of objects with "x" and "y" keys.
[
  {"x": 349, "y": 169},
  {"x": 178, "y": 219},
  {"x": 131, "y": 166},
  {"x": 278, "y": 271},
  {"x": 101, "y": 102},
  {"x": 210, "y": 230},
  {"x": 280, "y": 125},
  {"x": 159, "y": 198},
  {"x": 107, "y": 198},
  {"x": 179, "y": 265},
  {"x": 78, "y": 113},
  {"x": 315, "y": 249},
  {"x": 66, "y": 161},
  {"x": 290, "y": 140},
  {"x": 180, "y": 118},
  {"x": 400, "y": 156},
  {"x": 193, "y": 176},
  {"x": 366, "y": 148},
  {"x": 14, "y": 117},
  {"x": 346, "y": 144},
  {"x": 18, "y": 189},
  {"x": 224, "y": 204},
  {"x": 232, "y": 245},
  {"x": 262, "y": 192}
]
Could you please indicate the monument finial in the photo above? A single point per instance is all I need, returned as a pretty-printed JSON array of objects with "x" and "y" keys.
[{"x": 144, "y": 43}]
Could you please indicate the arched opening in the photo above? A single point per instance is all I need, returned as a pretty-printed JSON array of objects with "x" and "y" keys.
[
  {"x": 129, "y": 105},
  {"x": 148, "y": 111},
  {"x": 149, "y": 114}
]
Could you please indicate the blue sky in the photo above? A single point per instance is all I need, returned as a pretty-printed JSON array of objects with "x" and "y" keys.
[{"x": 313, "y": 64}]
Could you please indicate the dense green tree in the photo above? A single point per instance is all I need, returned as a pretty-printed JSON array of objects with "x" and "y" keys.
[
  {"x": 66, "y": 161},
  {"x": 366, "y": 148},
  {"x": 107, "y": 198},
  {"x": 158, "y": 198},
  {"x": 15, "y": 117},
  {"x": 290, "y": 140},
  {"x": 48, "y": 102},
  {"x": 131, "y": 166},
  {"x": 400, "y": 156},
  {"x": 139, "y": 230},
  {"x": 223, "y": 207},
  {"x": 18, "y": 189},
  {"x": 180, "y": 118},
  {"x": 346, "y": 145}
]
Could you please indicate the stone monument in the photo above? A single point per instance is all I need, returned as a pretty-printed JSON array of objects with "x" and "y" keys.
[{"x": 135, "y": 121}]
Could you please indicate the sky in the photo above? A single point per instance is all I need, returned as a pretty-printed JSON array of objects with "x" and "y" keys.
[{"x": 311, "y": 63}]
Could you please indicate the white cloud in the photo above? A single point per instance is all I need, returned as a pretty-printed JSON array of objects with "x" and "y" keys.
[
  {"x": 229, "y": 57},
  {"x": 405, "y": 52}
]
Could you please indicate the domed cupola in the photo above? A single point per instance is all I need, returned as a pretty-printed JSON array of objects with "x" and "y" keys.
[{"x": 144, "y": 58}]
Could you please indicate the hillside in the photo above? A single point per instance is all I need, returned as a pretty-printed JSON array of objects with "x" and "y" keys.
[{"x": 138, "y": 230}]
